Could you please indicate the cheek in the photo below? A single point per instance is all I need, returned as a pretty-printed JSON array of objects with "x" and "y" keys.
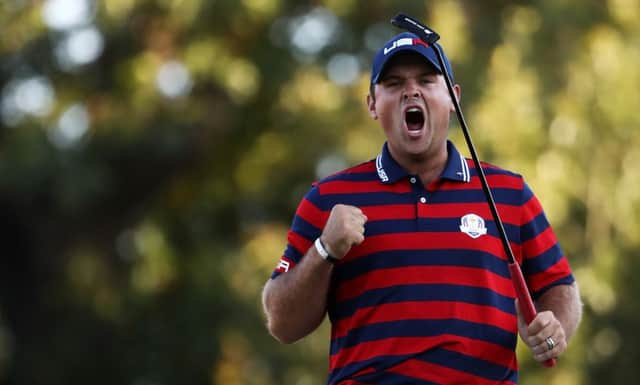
[
  {"x": 388, "y": 120},
  {"x": 386, "y": 111}
]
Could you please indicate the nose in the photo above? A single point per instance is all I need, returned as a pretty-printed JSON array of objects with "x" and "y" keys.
[
  {"x": 411, "y": 91},
  {"x": 412, "y": 95}
]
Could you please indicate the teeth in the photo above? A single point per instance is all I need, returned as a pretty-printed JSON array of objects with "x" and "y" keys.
[{"x": 413, "y": 109}]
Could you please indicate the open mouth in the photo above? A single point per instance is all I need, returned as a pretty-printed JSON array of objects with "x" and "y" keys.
[{"x": 414, "y": 118}]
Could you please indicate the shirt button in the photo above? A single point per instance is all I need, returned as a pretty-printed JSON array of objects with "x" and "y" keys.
[
  {"x": 413, "y": 179},
  {"x": 423, "y": 200}
]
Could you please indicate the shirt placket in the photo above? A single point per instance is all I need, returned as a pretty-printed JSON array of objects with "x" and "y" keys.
[{"x": 421, "y": 198}]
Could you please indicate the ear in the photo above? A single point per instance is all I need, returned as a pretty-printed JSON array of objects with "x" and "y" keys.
[
  {"x": 457, "y": 91},
  {"x": 371, "y": 106}
]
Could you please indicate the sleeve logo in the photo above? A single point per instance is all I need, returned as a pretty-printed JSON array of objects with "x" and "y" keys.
[
  {"x": 472, "y": 225},
  {"x": 283, "y": 266}
]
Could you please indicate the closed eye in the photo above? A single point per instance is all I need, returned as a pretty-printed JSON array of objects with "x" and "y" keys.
[
  {"x": 391, "y": 82},
  {"x": 429, "y": 79}
]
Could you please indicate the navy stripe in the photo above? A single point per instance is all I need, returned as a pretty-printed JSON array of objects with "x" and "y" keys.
[
  {"x": 422, "y": 292},
  {"x": 527, "y": 193},
  {"x": 372, "y": 199},
  {"x": 543, "y": 261},
  {"x": 389, "y": 361},
  {"x": 316, "y": 199},
  {"x": 441, "y": 357},
  {"x": 469, "y": 364},
  {"x": 500, "y": 195},
  {"x": 425, "y": 328},
  {"x": 405, "y": 258},
  {"x": 534, "y": 227},
  {"x": 568, "y": 280},
  {"x": 506, "y": 196},
  {"x": 293, "y": 254},
  {"x": 389, "y": 378},
  {"x": 304, "y": 228},
  {"x": 433, "y": 225}
]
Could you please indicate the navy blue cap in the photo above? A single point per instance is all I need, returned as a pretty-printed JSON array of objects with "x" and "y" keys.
[{"x": 404, "y": 42}]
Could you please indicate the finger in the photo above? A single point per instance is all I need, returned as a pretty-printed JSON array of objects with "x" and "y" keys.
[
  {"x": 358, "y": 213},
  {"x": 357, "y": 220},
  {"x": 551, "y": 348},
  {"x": 555, "y": 341},
  {"x": 536, "y": 329},
  {"x": 358, "y": 238},
  {"x": 360, "y": 219}
]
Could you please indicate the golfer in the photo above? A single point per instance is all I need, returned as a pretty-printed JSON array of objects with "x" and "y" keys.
[{"x": 403, "y": 255}]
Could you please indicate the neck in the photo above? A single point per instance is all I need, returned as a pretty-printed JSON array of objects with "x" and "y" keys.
[{"x": 427, "y": 166}]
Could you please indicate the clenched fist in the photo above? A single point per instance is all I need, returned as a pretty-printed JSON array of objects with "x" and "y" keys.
[{"x": 344, "y": 229}]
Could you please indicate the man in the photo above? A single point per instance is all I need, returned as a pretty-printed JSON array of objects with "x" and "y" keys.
[{"x": 403, "y": 254}]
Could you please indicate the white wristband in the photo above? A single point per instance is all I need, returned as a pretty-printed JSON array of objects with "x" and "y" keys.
[{"x": 323, "y": 251}]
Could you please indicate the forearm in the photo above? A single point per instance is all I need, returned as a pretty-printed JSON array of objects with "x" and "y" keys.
[
  {"x": 295, "y": 302},
  {"x": 564, "y": 301}
]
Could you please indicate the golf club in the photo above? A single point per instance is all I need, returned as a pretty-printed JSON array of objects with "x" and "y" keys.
[{"x": 522, "y": 293}]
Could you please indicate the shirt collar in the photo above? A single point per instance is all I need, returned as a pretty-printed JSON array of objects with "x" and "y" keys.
[{"x": 389, "y": 171}]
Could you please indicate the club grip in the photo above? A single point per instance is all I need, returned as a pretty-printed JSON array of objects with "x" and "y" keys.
[{"x": 527, "y": 308}]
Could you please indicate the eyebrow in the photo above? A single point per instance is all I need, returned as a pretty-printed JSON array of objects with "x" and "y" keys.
[{"x": 400, "y": 76}]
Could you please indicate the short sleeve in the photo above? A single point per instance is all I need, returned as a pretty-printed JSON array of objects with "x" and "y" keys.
[{"x": 544, "y": 265}]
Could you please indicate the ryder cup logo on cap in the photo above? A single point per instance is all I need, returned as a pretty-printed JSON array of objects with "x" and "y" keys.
[{"x": 404, "y": 42}]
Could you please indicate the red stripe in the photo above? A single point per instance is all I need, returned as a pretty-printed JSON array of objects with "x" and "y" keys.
[
  {"x": 541, "y": 243},
  {"x": 345, "y": 186},
  {"x": 298, "y": 242},
  {"x": 411, "y": 310},
  {"x": 352, "y": 382},
  {"x": 442, "y": 210},
  {"x": 453, "y": 210},
  {"x": 387, "y": 346},
  {"x": 426, "y": 241},
  {"x": 312, "y": 214},
  {"x": 440, "y": 374},
  {"x": 378, "y": 213},
  {"x": 351, "y": 187},
  {"x": 531, "y": 209},
  {"x": 416, "y": 275},
  {"x": 494, "y": 181},
  {"x": 411, "y": 345},
  {"x": 542, "y": 279}
]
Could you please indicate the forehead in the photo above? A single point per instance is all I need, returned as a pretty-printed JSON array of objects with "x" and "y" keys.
[{"x": 408, "y": 60}]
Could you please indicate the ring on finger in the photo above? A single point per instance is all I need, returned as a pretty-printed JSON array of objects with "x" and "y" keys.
[{"x": 550, "y": 343}]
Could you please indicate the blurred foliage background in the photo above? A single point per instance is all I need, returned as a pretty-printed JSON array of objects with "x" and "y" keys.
[{"x": 152, "y": 153}]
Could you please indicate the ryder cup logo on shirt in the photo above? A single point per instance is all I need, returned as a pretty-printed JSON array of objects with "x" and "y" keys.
[{"x": 472, "y": 225}]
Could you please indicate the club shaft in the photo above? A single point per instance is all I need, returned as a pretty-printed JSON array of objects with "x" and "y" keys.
[
  {"x": 476, "y": 161},
  {"x": 522, "y": 293}
]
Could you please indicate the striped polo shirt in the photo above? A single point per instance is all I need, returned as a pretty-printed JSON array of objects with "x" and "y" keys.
[{"x": 427, "y": 297}]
